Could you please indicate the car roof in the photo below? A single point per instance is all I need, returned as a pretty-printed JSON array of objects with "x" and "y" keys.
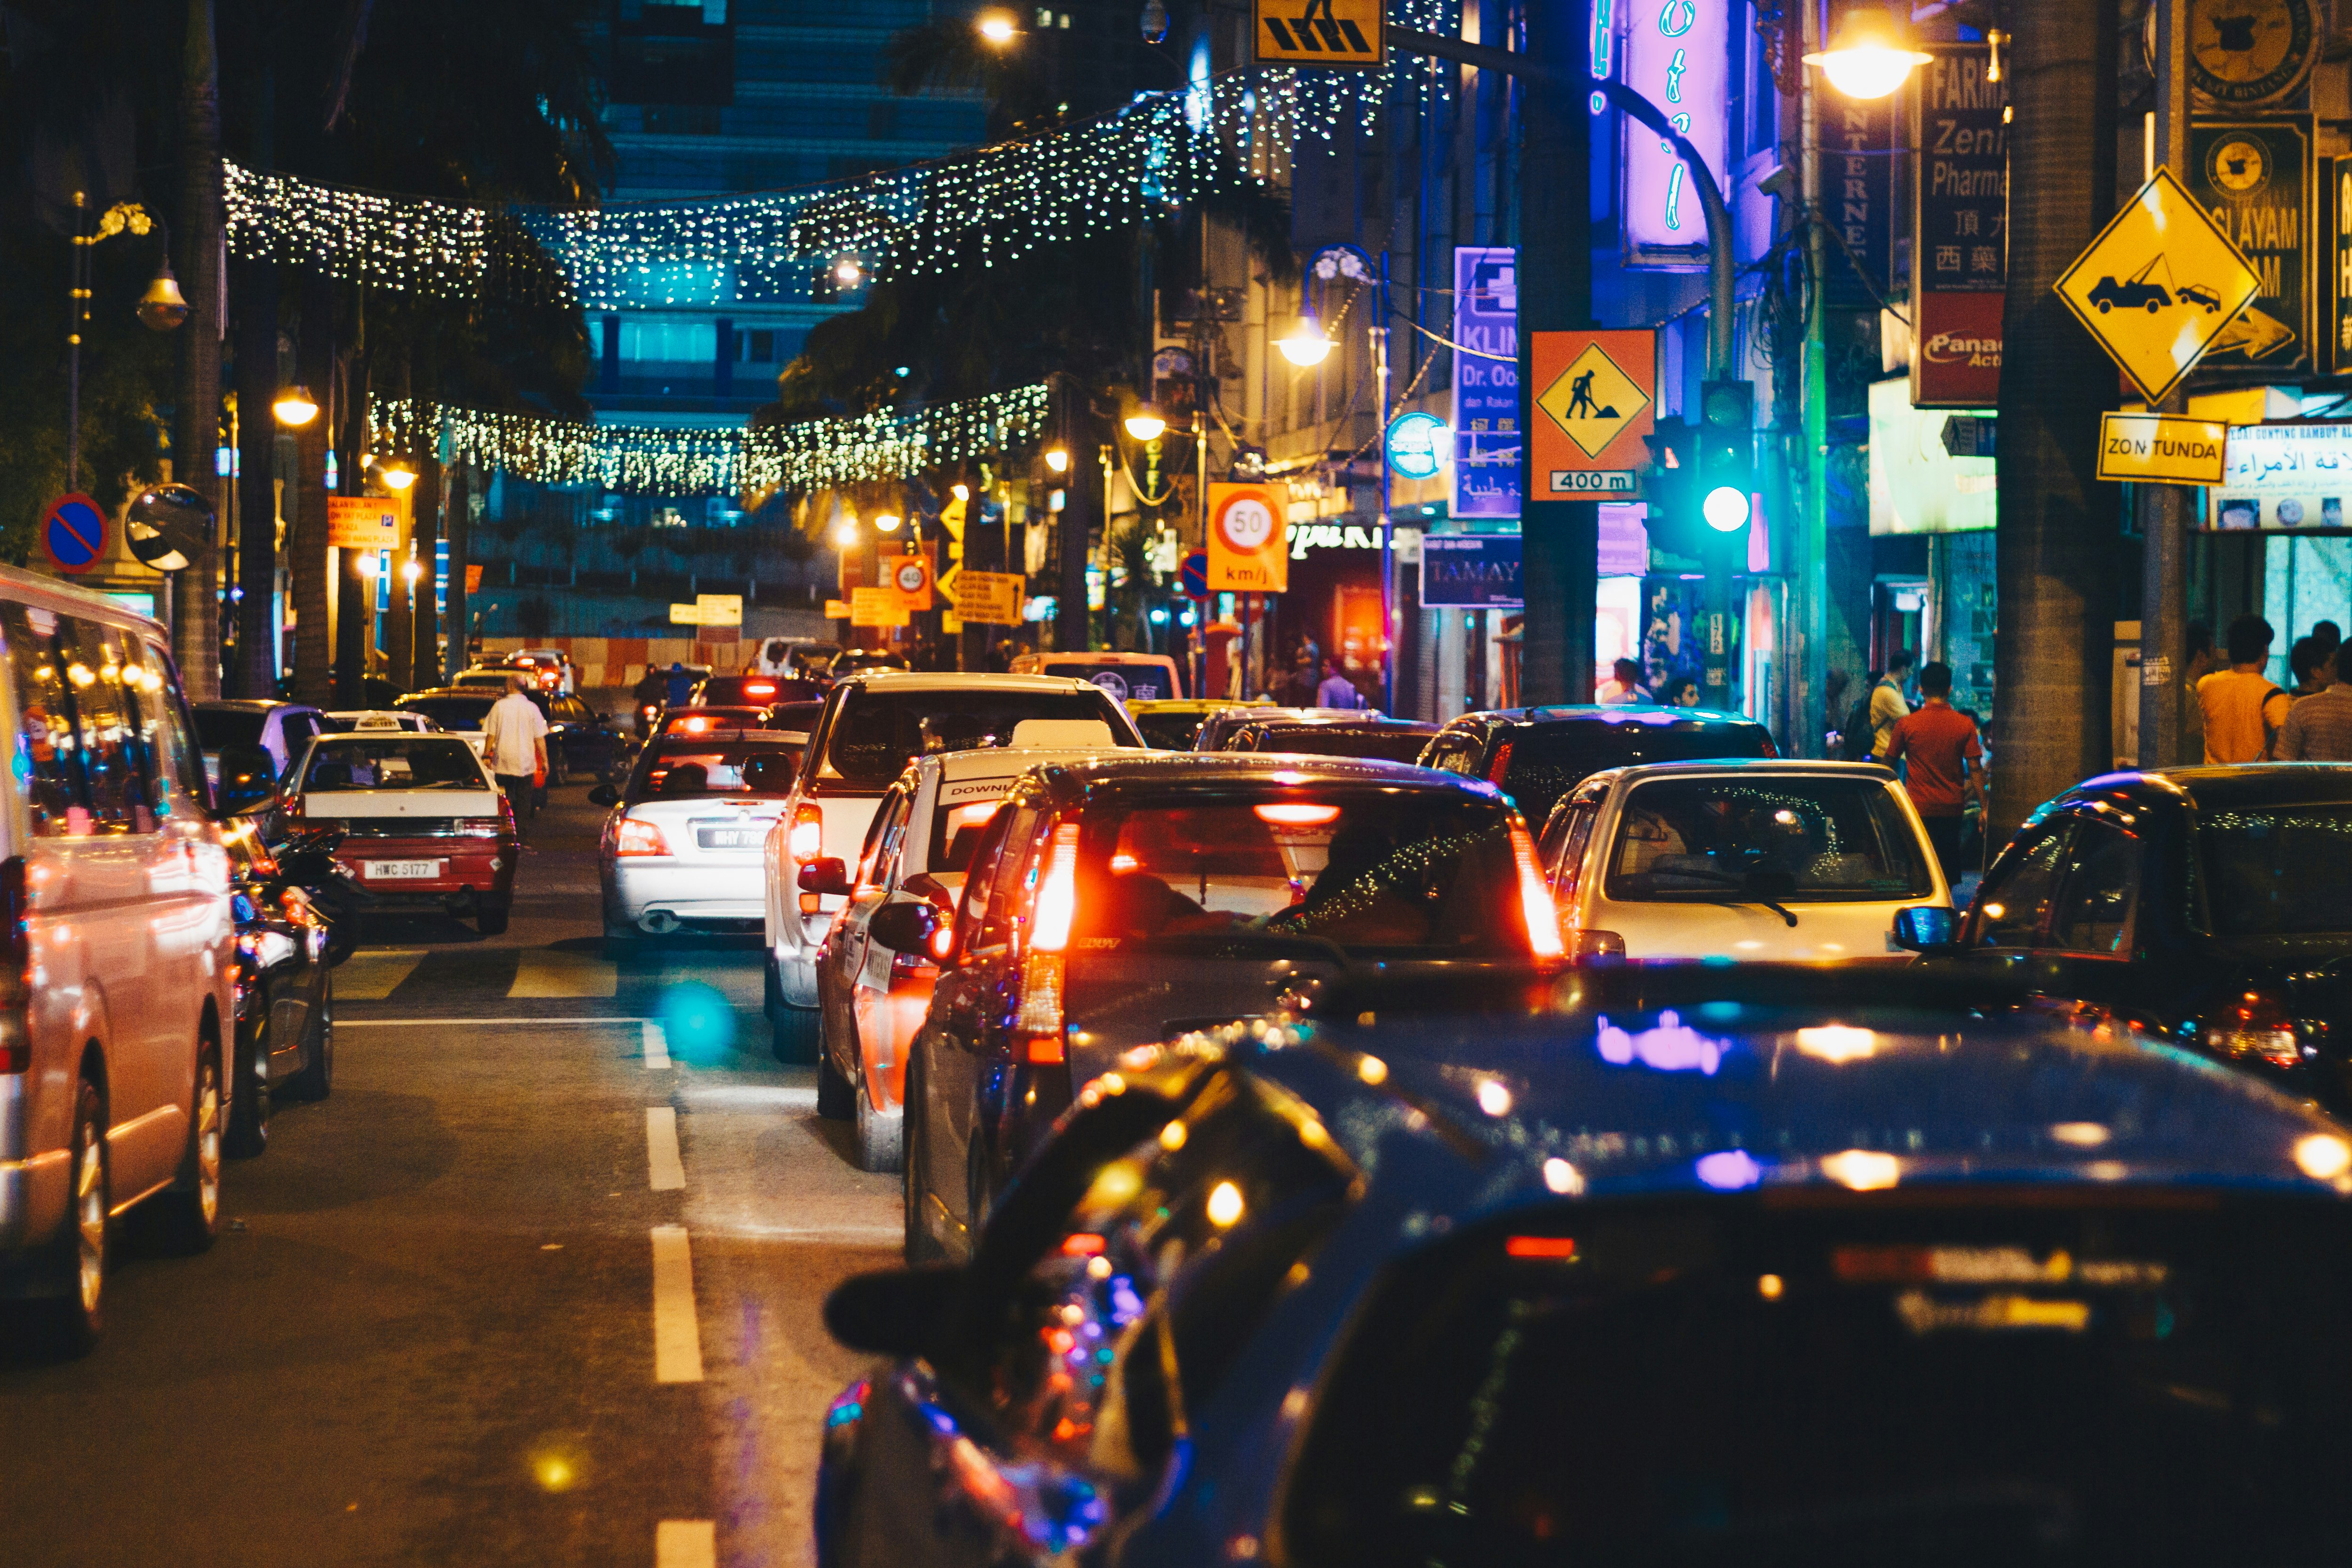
[
  {"x": 1194, "y": 705},
  {"x": 1343, "y": 719},
  {"x": 996, "y": 762},
  {"x": 1130, "y": 766},
  {"x": 2210, "y": 788},
  {"x": 1636, "y": 772},
  {"x": 1723, "y": 1096},
  {"x": 1611, "y": 713},
  {"x": 245, "y": 705},
  {"x": 470, "y": 693},
  {"x": 956, "y": 681}
]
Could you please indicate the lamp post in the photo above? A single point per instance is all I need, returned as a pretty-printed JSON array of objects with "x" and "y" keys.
[{"x": 161, "y": 309}]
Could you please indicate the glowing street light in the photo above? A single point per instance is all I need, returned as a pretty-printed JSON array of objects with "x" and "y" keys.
[
  {"x": 1305, "y": 345},
  {"x": 397, "y": 475},
  {"x": 1057, "y": 459},
  {"x": 997, "y": 28},
  {"x": 887, "y": 522},
  {"x": 1868, "y": 58},
  {"x": 295, "y": 407},
  {"x": 1145, "y": 423},
  {"x": 961, "y": 492}
]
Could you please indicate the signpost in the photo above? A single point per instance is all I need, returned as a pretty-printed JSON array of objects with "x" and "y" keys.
[
  {"x": 363, "y": 522},
  {"x": 874, "y": 606},
  {"x": 719, "y": 609},
  {"x": 2158, "y": 286},
  {"x": 990, "y": 598},
  {"x": 1350, "y": 33},
  {"x": 2161, "y": 448},
  {"x": 1246, "y": 538},
  {"x": 911, "y": 575},
  {"x": 1594, "y": 399},
  {"x": 73, "y": 533}
]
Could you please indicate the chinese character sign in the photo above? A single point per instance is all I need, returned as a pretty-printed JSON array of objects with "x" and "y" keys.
[
  {"x": 1486, "y": 390},
  {"x": 1677, "y": 55},
  {"x": 1963, "y": 231}
]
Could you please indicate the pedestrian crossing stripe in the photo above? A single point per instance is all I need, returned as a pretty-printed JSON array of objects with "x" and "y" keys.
[{"x": 1321, "y": 32}]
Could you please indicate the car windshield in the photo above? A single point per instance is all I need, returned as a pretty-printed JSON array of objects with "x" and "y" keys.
[
  {"x": 2070, "y": 1380},
  {"x": 1550, "y": 760},
  {"x": 1169, "y": 732},
  {"x": 742, "y": 765},
  {"x": 1399, "y": 745},
  {"x": 452, "y": 712},
  {"x": 219, "y": 727},
  {"x": 2277, "y": 870},
  {"x": 1701, "y": 839},
  {"x": 393, "y": 761},
  {"x": 1381, "y": 870},
  {"x": 879, "y": 730}
]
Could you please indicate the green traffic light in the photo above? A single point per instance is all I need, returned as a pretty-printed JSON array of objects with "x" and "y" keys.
[{"x": 1726, "y": 509}]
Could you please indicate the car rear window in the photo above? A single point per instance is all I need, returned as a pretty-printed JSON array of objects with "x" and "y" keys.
[
  {"x": 1703, "y": 839},
  {"x": 737, "y": 765},
  {"x": 1172, "y": 731},
  {"x": 1547, "y": 761},
  {"x": 219, "y": 727},
  {"x": 1143, "y": 682},
  {"x": 879, "y": 730},
  {"x": 1334, "y": 741},
  {"x": 2074, "y": 1380},
  {"x": 452, "y": 712},
  {"x": 2277, "y": 870},
  {"x": 391, "y": 760},
  {"x": 1377, "y": 871},
  {"x": 959, "y": 819}
]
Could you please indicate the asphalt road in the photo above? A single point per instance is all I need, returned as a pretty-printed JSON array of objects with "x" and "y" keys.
[{"x": 538, "y": 1284}]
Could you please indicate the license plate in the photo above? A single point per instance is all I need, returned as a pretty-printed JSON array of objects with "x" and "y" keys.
[
  {"x": 395, "y": 870},
  {"x": 730, "y": 837}
]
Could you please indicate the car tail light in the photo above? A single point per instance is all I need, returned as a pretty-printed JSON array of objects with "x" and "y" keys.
[
  {"x": 481, "y": 826},
  {"x": 1040, "y": 1020},
  {"x": 760, "y": 688},
  {"x": 1535, "y": 898},
  {"x": 807, "y": 840},
  {"x": 632, "y": 836},
  {"x": 15, "y": 966},
  {"x": 2257, "y": 1028},
  {"x": 1502, "y": 768}
]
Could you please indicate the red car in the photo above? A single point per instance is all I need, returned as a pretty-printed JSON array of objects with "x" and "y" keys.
[{"x": 422, "y": 824}]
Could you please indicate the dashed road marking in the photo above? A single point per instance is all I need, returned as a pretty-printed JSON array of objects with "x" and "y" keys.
[
  {"x": 544, "y": 973},
  {"x": 656, "y": 1047},
  {"x": 686, "y": 1543},
  {"x": 678, "y": 1337},
  {"x": 664, "y": 1168},
  {"x": 374, "y": 976}
]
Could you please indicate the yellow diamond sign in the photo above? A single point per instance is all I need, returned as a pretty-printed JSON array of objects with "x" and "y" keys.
[
  {"x": 1594, "y": 400},
  {"x": 2158, "y": 286}
]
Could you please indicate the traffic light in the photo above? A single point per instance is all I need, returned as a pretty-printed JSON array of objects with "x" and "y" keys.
[
  {"x": 1726, "y": 453},
  {"x": 1670, "y": 486}
]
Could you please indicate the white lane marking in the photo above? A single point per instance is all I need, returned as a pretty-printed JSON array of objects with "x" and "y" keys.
[
  {"x": 847, "y": 1235},
  {"x": 686, "y": 1543},
  {"x": 543, "y": 973},
  {"x": 677, "y": 1338},
  {"x": 656, "y": 1047},
  {"x": 664, "y": 1167},
  {"x": 754, "y": 1097},
  {"x": 374, "y": 976}
]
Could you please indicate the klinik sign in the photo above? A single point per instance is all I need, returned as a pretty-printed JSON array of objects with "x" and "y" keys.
[{"x": 1677, "y": 55}]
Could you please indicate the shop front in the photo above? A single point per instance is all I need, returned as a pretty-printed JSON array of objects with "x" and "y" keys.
[{"x": 1932, "y": 508}]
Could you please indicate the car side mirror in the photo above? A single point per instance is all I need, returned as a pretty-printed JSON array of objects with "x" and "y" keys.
[
  {"x": 604, "y": 795},
  {"x": 906, "y": 926},
  {"x": 827, "y": 875},
  {"x": 1927, "y": 928},
  {"x": 248, "y": 780},
  {"x": 894, "y": 1311}
]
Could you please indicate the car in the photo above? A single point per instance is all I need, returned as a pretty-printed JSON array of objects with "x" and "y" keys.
[
  {"x": 2198, "y": 294},
  {"x": 1749, "y": 861},
  {"x": 280, "y": 729},
  {"x": 1233, "y": 717},
  {"x": 118, "y": 948},
  {"x": 1329, "y": 734},
  {"x": 1172, "y": 725},
  {"x": 345, "y": 720},
  {"x": 810, "y": 659},
  {"x": 751, "y": 690},
  {"x": 873, "y": 725},
  {"x": 795, "y": 719},
  {"x": 1539, "y": 754},
  {"x": 579, "y": 740},
  {"x": 1130, "y": 677},
  {"x": 1823, "y": 1275},
  {"x": 283, "y": 986},
  {"x": 1119, "y": 901},
  {"x": 874, "y": 984},
  {"x": 851, "y": 661},
  {"x": 2131, "y": 294},
  {"x": 2208, "y": 906},
  {"x": 550, "y": 668},
  {"x": 488, "y": 678},
  {"x": 708, "y": 720},
  {"x": 681, "y": 847},
  {"x": 420, "y": 823}
]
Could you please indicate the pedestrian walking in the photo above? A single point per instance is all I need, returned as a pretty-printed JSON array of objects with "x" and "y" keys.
[
  {"x": 2318, "y": 728},
  {"x": 2307, "y": 661},
  {"x": 1943, "y": 763},
  {"x": 1337, "y": 691},
  {"x": 2203, "y": 661},
  {"x": 1887, "y": 704},
  {"x": 516, "y": 744},
  {"x": 2242, "y": 708},
  {"x": 1624, "y": 684}
]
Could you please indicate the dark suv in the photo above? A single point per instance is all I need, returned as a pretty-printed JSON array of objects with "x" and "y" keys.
[{"x": 1535, "y": 755}]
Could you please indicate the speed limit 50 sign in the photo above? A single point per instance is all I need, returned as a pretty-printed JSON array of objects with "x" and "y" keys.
[{"x": 1247, "y": 543}]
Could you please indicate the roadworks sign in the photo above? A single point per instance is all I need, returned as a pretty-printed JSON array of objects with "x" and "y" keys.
[
  {"x": 2159, "y": 449},
  {"x": 1320, "y": 33},
  {"x": 2158, "y": 286},
  {"x": 1593, "y": 410}
]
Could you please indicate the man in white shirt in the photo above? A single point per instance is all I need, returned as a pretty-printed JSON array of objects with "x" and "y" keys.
[{"x": 516, "y": 747}]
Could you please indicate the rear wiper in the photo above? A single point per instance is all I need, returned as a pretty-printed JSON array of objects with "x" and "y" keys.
[{"x": 1765, "y": 887}]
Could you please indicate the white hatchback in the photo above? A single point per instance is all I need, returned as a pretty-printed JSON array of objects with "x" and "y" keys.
[{"x": 1753, "y": 860}]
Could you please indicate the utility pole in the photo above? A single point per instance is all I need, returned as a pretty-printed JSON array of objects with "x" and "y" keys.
[
  {"x": 306, "y": 543},
  {"x": 195, "y": 416},
  {"x": 1808, "y": 722},
  {"x": 2164, "y": 508},
  {"x": 1075, "y": 522}
]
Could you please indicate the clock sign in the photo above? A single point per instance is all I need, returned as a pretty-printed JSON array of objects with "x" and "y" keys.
[{"x": 2245, "y": 52}]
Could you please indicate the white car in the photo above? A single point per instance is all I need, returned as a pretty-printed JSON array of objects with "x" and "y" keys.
[
  {"x": 872, "y": 996},
  {"x": 875, "y": 722},
  {"x": 681, "y": 847},
  {"x": 369, "y": 720},
  {"x": 1748, "y": 860},
  {"x": 423, "y": 825}
]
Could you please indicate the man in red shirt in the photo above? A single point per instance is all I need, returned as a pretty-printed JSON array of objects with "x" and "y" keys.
[{"x": 1938, "y": 743}]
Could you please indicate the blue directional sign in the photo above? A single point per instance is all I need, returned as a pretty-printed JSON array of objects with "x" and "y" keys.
[
  {"x": 1194, "y": 574},
  {"x": 73, "y": 533}
]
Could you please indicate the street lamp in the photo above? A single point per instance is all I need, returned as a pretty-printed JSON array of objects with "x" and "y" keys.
[
  {"x": 1305, "y": 345},
  {"x": 848, "y": 272},
  {"x": 887, "y": 522},
  {"x": 397, "y": 475},
  {"x": 1145, "y": 423},
  {"x": 162, "y": 307},
  {"x": 997, "y": 28},
  {"x": 1057, "y": 459},
  {"x": 295, "y": 407},
  {"x": 846, "y": 536},
  {"x": 1868, "y": 58}
]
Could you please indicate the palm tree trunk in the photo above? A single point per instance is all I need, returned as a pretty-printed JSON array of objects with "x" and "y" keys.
[
  {"x": 256, "y": 555},
  {"x": 307, "y": 535},
  {"x": 195, "y": 416},
  {"x": 2057, "y": 544}
]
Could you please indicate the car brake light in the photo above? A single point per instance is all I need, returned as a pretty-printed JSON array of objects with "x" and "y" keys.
[
  {"x": 481, "y": 826},
  {"x": 1057, "y": 893},
  {"x": 2255, "y": 1027},
  {"x": 1534, "y": 900},
  {"x": 1502, "y": 768},
  {"x": 694, "y": 726},
  {"x": 632, "y": 836},
  {"x": 807, "y": 840},
  {"x": 760, "y": 688},
  {"x": 1295, "y": 813},
  {"x": 1041, "y": 1018}
]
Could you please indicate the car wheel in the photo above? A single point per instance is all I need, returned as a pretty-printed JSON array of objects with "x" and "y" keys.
[
  {"x": 881, "y": 1140},
  {"x": 836, "y": 1098},
  {"x": 191, "y": 1205},
  {"x": 317, "y": 1079},
  {"x": 491, "y": 922},
  {"x": 914, "y": 1168},
  {"x": 793, "y": 1036},
  {"x": 80, "y": 1311},
  {"x": 248, "y": 1103}
]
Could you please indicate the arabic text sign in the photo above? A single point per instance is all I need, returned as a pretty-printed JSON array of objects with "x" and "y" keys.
[
  {"x": 2155, "y": 448},
  {"x": 2290, "y": 478},
  {"x": 1486, "y": 390},
  {"x": 2160, "y": 285}
]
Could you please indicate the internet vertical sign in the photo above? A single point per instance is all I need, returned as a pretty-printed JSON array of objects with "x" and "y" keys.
[
  {"x": 1486, "y": 390},
  {"x": 1677, "y": 57}
]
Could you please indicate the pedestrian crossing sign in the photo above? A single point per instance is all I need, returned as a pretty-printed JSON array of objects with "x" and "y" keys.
[
  {"x": 1593, "y": 407},
  {"x": 2160, "y": 285},
  {"x": 1320, "y": 33}
]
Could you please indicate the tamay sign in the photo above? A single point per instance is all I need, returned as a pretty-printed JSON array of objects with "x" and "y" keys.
[{"x": 1959, "y": 252}]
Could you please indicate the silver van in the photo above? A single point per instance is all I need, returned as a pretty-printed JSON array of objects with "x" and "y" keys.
[{"x": 116, "y": 947}]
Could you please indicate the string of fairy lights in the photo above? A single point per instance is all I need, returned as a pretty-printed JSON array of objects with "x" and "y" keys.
[{"x": 645, "y": 459}]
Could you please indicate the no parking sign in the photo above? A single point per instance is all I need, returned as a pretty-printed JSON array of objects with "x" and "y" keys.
[{"x": 73, "y": 533}]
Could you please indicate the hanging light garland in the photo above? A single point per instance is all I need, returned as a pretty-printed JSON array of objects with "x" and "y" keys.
[{"x": 646, "y": 460}]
